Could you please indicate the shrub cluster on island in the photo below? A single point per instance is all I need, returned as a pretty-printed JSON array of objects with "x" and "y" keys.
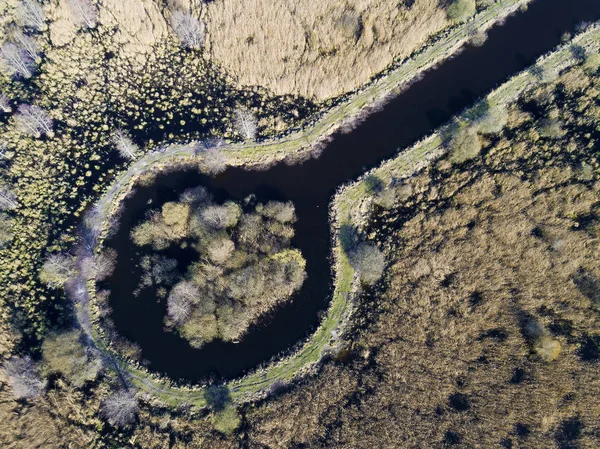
[{"x": 244, "y": 269}]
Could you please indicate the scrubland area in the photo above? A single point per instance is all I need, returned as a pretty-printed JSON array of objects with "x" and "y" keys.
[{"x": 485, "y": 332}]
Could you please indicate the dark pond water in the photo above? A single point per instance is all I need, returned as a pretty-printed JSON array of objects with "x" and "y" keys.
[{"x": 415, "y": 113}]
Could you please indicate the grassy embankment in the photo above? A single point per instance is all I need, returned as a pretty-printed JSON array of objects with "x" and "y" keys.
[{"x": 391, "y": 84}]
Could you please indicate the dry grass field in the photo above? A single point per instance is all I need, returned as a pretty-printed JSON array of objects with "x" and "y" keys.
[{"x": 317, "y": 49}]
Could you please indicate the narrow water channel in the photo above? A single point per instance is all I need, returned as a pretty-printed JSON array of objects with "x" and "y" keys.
[{"x": 415, "y": 113}]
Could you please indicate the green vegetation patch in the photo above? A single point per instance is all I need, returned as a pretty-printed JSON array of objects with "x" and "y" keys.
[{"x": 244, "y": 265}]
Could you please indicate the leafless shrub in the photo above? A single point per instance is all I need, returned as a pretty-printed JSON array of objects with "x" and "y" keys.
[
  {"x": 245, "y": 123},
  {"x": 120, "y": 408},
  {"x": 17, "y": 60},
  {"x": 478, "y": 38},
  {"x": 125, "y": 146},
  {"x": 197, "y": 195},
  {"x": 100, "y": 266},
  {"x": 214, "y": 161},
  {"x": 33, "y": 120},
  {"x": 84, "y": 13},
  {"x": 493, "y": 121},
  {"x": 277, "y": 210},
  {"x": 31, "y": 14},
  {"x": 221, "y": 217},
  {"x": 464, "y": 145},
  {"x": 57, "y": 270},
  {"x": 207, "y": 144},
  {"x": 102, "y": 301},
  {"x": 5, "y": 104},
  {"x": 158, "y": 270},
  {"x": 369, "y": 262},
  {"x": 24, "y": 377},
  {"x": 8, "y": 200},
  {"x": 188, "y": 29}
]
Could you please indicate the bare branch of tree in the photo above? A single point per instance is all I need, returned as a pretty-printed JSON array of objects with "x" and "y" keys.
[
  {"x": 245, "y": 123},
  {"x": 124, "y": 145},
  {"x": 221, "y": 217},
  {"x": 215, "y": 161},
  {"x": 5, "y": 104},
  {"x": 179, "y": 308},
  {"x": 188, "y": 29},
  {"x": 120, "y": 408},
  {"x": 24, "y": 377},
  {"x": 33, "y": 120},
  {"x": 31, "y": 14},
  {"x": 17, "y": 60},
  {"x": 27, "y": 43},
  {"x": 8, "y": 200},
  {"x": 369, "y": 262},
  {"x": 84, "y": 13}
]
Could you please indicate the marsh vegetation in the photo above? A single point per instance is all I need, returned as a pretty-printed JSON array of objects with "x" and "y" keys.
[
  {"x": 486, "y": 326},
  {"x": 91, "y": 86}
]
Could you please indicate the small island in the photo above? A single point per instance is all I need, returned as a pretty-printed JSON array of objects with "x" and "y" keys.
[{"x": 244, "y": 268}]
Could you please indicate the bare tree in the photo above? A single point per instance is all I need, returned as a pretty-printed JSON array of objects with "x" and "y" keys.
[
  {"x": 8, "y": 200},
  {"x": 27, "y": 43},
  {"x": 221, "y": 217},
  {"x": 245, "y": 123},
  {"x": 31, "y": 14},
  {"x": 220, "y": 251},
  {"x": 100, "y": 266},
  {"x": 369, "y": 263},
  {"x": 196, "y": 195},
  {"x": 24, "y": 377},
  {"x": 120, "y": 408},
  {"x": 57, "y": 270},
  {"x": 215, "y": 161},
  {"x": 33, "y": 120},
  {"x": 5, "y": 104},
  {"x": 179, "y": 307},
  {"x": 84, "y": 13},
  {"x": 188, "y": 29},
  {"x": 124, "y": 145},
  {"x": 17, "y": 60}
]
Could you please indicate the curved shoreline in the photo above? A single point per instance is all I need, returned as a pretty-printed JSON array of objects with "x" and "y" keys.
[{"x": 255, "y": 384}]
